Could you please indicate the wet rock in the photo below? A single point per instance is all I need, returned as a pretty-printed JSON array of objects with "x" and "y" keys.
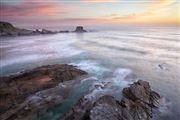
[
  {"x": 37, "y": 104},
  {"x": 14, "y": 89},
  {"x": 163, "y": 66},
  {"x": 138, "y": 103},
  {"x": 80, "y": 29}
]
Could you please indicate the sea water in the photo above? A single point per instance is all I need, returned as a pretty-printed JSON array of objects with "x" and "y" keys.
[{"x": 119, "y": 56}]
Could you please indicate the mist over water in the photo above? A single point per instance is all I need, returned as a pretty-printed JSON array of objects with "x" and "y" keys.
[{"x": 117, "y": 56}]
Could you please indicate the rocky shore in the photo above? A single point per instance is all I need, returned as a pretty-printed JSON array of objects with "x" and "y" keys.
[
  {"x": 138, "y": 103},
  {"x": 7, "y": 29},
  {"x": 26, "y": 95}
]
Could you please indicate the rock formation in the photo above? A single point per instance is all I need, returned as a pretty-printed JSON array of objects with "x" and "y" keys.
[
  {"x": 64, "y": 31},
  {"x": 80, "y": 29},
  {"x": 29, "y": 94},
  {"x": 7, "y": 29},
  {"x": 35, "y": 90},
  {"x": 138, "y": 103},
  {"x": 44, "y": 31}
]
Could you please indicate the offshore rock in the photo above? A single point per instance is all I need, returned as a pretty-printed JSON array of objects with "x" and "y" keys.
[
  {"x": 80, "y": 29},
  {"x": 7, "y": 29}
]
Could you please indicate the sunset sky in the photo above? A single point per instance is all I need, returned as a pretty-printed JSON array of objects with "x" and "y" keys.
[{"x": 90, "y": 12}]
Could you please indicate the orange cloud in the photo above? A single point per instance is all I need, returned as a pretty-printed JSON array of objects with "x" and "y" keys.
[
  {"x": 159, "y": 4},
  {"x": 99, "y": 1},
  {"x": 152, "y": 15}
]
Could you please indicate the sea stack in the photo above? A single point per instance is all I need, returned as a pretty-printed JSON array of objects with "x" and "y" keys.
[{"x": 80, "y": 29}]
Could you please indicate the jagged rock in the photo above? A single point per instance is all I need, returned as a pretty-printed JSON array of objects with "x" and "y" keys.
[
  {"x": 14, "y": 89},
  {"x": 138, "y": 103},
  {"x": 80, "y": 29}
]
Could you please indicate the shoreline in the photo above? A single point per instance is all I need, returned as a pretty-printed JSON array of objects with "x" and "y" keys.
[
  {"x": 7, "y": 29},
  {"x": 50, "y": 91}
]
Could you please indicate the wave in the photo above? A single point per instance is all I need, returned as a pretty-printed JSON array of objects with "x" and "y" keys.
[
  {"x": 117, "y": 48},
  {"x": 157, "y": 38},
  {"x": 91, "y": 67},
  {"x": 111, "y": 85}
]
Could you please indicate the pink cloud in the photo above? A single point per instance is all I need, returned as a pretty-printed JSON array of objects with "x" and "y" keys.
[
  {"x": 99, "y": 1},
  {"x": 31, "y": 9}
]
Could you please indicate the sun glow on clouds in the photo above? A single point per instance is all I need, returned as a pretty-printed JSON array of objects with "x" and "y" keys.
[
  {"x": 160, "y": 3},
  {"x": 30, "y": 9},
  {"x": 99, "y": 1},
  {"x": 91, "y": 12}
]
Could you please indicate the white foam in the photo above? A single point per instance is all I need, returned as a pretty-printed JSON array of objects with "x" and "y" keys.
[
  {"x": 91, "y": 67},
  {"x": 97, "y": 89},
  {"x": 120, "y": 75},
  {"x": 102, "y": 87},
  {"x": 89, "y": 78},
  {"x": 93, "y": 95}
]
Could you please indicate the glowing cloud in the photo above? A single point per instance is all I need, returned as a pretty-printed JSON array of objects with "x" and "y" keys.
[
  {"x": 99, "y": 1},
  {"x": 31, "y": 9},
  {"x": 159, "y": 4},
  {"x": 90, "y": 12}
]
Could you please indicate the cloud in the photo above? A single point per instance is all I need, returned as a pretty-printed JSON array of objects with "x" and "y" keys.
[
  {"x": 159, "y": 4},
  {"x": 133, "y": 16},
  {"x": 31, "y": 9},
  {"x": 151, "y": 10},
  {"x": 99, "y": 1}
]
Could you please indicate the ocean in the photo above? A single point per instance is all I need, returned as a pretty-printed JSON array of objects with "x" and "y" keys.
[{"x": 120, "y": 56}]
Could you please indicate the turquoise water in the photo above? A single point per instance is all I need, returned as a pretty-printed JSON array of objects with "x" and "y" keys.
[
  {"x": 117, "y": 56},
  {"x": 75, "y": 95}
]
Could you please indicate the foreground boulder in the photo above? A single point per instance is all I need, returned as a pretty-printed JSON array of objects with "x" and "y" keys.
[
  {"x": 138, "y": 103},
  {"x": 80, "y": 29},
  {"x": 15, "y": 89}
]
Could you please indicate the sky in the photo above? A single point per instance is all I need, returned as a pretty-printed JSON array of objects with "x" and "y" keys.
[{"x": 90, "y": 12}]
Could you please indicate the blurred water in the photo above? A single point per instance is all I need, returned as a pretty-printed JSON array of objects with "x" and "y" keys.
[{"x": 118, "y": 56}]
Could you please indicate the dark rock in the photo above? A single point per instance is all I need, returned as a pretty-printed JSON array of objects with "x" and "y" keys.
[
  {"x": 65, "y": 31},
  {"x": 15, "y": 89},
  {"x": 44, "y": 31},
  {"x": 80, "y": 29},
  {"x": 37, "y": 31},
  {"x": 7, "y": 29},
  {"x": 138, "y": 103}
]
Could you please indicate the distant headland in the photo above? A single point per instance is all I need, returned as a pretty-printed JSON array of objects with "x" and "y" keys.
[{"x": 7, "y": 29}]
